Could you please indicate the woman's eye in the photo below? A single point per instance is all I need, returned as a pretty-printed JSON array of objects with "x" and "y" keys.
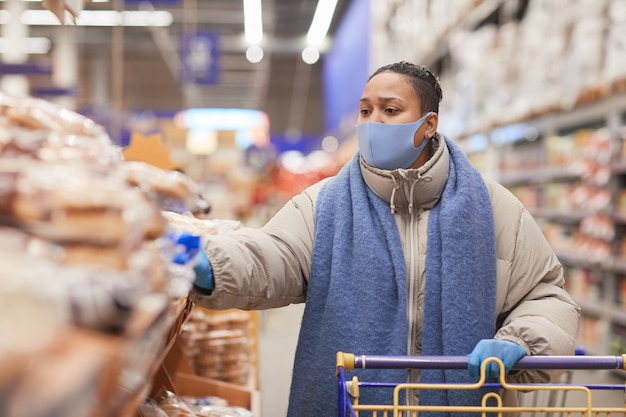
[
  {"x": 365, "y": 112},
  {"x": 390, "y": 110}
]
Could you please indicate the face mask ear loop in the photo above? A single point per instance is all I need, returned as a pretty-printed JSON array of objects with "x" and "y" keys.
[{"x": 423, "y": 125}]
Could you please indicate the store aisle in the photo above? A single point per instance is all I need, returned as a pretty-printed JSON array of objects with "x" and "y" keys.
[{"x": 278, "y": 335}]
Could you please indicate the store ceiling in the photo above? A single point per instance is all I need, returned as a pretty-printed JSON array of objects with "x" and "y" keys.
[{"x": 288, "y": 90}]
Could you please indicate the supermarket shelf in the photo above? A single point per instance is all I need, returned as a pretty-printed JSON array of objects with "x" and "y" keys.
[
  {"x": 582, "y": 116},
  {"x": 612, "y": 264},
  {"x": 63, "y": 380},
  {"x": 605, "y": 272},
  {"x": 89, "y": 373},
  {"x": 559, "y": 216},
  {"x": 581, "y": 262},
  {"x": 540, "y": 176},
  {"x": 147, "y": 351},
  {"x": 599, "y": 309}
]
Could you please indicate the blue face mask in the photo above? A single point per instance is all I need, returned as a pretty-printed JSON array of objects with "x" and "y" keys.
[{"x": 390, "y": 146}]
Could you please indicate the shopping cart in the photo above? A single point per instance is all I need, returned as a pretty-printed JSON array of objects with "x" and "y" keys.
[{"x": 349, "y": 405}]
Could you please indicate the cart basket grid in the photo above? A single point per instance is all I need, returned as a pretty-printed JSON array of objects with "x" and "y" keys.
[{"x": 349, "y": 390}]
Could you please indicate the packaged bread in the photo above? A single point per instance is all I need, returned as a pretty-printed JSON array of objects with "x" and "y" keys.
[
  {"x": 38, "y": 129},
  {"x": 38, "y": 114},
  {"x": 189, "y": 224},
  {"x": 174, "y": 190},
  {"x": 146, "y": 260},
  {"x": 78, "y": 203}
]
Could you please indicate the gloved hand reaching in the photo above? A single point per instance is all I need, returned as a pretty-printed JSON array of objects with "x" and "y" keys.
[
  {"x": 204, "y": 281},
  {"x": 508, "y": 352},
  {"x": 193, "y": 252}
]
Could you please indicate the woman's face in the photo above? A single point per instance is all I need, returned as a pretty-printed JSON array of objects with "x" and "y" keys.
[{"x": 389, "y": 98}]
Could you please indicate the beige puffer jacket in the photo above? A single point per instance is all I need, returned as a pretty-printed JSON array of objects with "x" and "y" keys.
[{"x": 269, "y": 267}]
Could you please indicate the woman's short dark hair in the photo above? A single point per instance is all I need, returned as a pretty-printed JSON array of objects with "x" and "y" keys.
[{"x": 423, "y": 80}]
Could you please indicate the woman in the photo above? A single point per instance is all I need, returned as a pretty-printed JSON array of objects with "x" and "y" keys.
[{"x": 408, "y": 250}]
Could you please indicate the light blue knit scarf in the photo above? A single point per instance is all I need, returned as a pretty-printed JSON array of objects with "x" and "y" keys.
[{"x": 356, "y": 299}]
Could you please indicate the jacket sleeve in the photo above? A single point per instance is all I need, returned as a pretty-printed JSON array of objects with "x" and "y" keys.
[
  {"x": 537, "y": 312},
  {"x": 267, "y": 267}
]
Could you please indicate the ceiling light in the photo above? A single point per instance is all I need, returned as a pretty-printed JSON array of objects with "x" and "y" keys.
[
  {"x": 330, "y": 144},
  {"x": 39, "y": 18},
  {"x": 321, "y": 22},
  {"x": 100, "y": 18},
  {"x": 254, "y": 54},
  {"x": 310, "y": 55},
  {"x": 28, "y": 45},
  {"x": 253, "y": 21},
  {"x": 222, "y": 119},
  {"x": 147, "y": 18}
]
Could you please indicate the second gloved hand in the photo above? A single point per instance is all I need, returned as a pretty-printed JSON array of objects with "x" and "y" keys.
[
  {"x": 204, "y": 281},
  {"x": 508, "y": 352}
]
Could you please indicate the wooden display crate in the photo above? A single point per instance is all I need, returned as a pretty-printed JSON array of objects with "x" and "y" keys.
[{"x": 176, "y": 375}]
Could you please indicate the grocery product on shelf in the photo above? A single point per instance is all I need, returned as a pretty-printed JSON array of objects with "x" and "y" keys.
[
  {"x": 168, "y": 404},
  {"x": 218, "y": 344},
  {"x": 571, "y": 177},
  {"x": 85, "y": 248}
]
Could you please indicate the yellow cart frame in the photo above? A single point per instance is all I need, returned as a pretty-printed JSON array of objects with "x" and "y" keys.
[{"x": 349, "y": 405}]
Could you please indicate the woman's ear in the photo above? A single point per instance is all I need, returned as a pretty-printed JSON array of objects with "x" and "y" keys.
[{"x": 431, "y": 125}]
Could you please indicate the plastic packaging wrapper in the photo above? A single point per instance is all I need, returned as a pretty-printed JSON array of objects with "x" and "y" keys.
[
  {"x": 217, "y": 344},
  {"x": 83, "y": 246},
  {"x": 196, "y": 402},
  {"x": 220, "y": 411},
  {"x": 26, "y": 327},
  {"x": 90, "y": 297},
  {"x": 186, "y": 228},
  {"x": 76, "y": 203},
  {"x": 173, "y": 405},
  {"x": 38, "y": 129},
  {"x": 180, "y": 251},
  {"x": 150, "y": 408},
  {"x": 204, "y": 227},
  {"x": 173, "y": 190}
]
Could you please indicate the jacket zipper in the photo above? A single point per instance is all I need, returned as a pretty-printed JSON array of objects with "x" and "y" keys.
[
  {"x": 412, "y": 279},
  {"x": 411, "y": 292}
]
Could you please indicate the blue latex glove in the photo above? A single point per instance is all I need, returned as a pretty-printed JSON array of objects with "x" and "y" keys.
[
  {"x": 190, "y": 244},
  {"x": 508, "y": 352},
  {"x": 202, "y": 268},
  {"x": 204, "y": 281}
]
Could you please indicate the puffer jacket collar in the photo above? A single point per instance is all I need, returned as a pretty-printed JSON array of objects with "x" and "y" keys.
[{"x": 406, "y": 190}]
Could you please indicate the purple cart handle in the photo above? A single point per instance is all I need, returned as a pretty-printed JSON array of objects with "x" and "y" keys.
[{"x": 460, "y": 362}]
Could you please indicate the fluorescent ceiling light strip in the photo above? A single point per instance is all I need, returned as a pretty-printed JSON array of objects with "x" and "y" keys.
[
  {"x": 28, "y": 45},
  {"x": 100, "y": 18},
  {"x": 253, "y": 21},
  {"x": 321, "y": 22},
  {"x": 147, "y": 18},
  {"x": 39, "y": 18}
]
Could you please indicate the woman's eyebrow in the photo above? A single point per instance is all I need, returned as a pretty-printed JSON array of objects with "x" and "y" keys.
[{"x": 380, "y": 99}]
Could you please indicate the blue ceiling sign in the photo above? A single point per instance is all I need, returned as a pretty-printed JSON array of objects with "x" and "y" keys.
[
  {"x": 199, "y": 54},
  {"x": 25, "y": 69}
]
